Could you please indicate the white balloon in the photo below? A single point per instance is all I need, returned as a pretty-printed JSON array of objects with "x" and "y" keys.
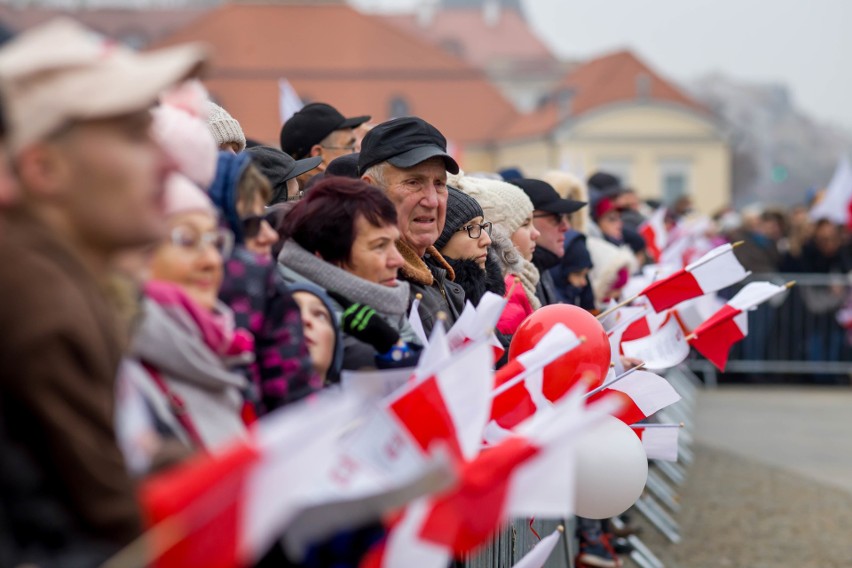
[{"x": 612, "y": 469}]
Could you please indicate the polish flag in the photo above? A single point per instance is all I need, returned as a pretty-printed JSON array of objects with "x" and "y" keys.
[
  {"x": 659, "y": 440},
  {"x": 436, "y": 352},
  {"x": 717, "y": 269},
  {"x": 654, "y": 231},
  {"x": 227, "y": 510},
  {"x": 519, "y": 388},
  {"x": 530, "y": 473},
  {"x": 641, "y": 394},
  {"x": 663, "y": 349},
  {"x": 537, "y": 557},
  {"x": 417, "y": 323},
  {"x": 478, "y": 323},
  {"x": 714, "y": 337},
  {"x": 451, "y": 406}
]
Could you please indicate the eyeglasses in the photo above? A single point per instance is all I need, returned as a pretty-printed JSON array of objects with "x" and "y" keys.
[
  {"x": 557, "y": 217},
  {"x": 349, "y": 148},
  {"x": 186, "y": 238},
  {"x": 252, "y": 224},
  {"x": 474, "y": 230}
]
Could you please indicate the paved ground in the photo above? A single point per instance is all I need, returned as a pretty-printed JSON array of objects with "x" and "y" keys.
[{"x": 771, "y": 485}]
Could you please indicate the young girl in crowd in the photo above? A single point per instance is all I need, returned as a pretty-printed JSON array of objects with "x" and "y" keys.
[
  {"x": 465, "y": 243},
  {"x": 513, "y": 239}
]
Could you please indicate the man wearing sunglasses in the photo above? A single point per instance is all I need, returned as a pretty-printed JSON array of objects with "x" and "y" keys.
[{"x": 550, "y": 218}]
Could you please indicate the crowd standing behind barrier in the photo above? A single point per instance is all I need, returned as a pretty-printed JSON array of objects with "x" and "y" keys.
[{"x": 400, "y": 268}]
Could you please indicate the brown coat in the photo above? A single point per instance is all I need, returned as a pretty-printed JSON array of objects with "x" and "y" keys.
[{"x": 59, "y": 356}]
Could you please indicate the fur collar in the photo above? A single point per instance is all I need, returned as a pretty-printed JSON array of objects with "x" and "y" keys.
[
  {"x": 416, "y": 270},
  {"x": 476, "y": 281}
]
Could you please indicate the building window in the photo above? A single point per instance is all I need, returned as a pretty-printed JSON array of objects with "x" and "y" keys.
[
  {"x": 617, "y": 166},
  {"x": 398, "y": 107},
  {"x": 674, "y": 179}
]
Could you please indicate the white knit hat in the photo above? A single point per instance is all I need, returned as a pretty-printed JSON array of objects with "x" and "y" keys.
[
  {"x": 224, "y": 127},
  {"x": 504, "y": 204}
]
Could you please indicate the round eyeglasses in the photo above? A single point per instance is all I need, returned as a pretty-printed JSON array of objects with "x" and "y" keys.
[
  {"x": 186, "y": 238},
  {"x": 474, "y": 230}
]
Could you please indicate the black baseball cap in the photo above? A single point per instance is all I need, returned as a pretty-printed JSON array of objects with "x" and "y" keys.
[
  {"x": 345, "y": 166},
  {"x": 311, "y": 124},
  {"x": 278, "y": 167},
  {"x": 545, "y": 198},
  {"x": 404, "y": 142}
]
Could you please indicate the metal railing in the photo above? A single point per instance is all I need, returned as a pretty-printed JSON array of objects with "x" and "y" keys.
[{"x": 794, "y": 336}]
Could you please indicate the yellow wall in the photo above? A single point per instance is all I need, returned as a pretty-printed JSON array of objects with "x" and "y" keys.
[{"x": 649, "y": 138}]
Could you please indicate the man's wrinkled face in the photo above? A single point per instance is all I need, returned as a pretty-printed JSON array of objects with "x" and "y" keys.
[{"x": 420, "y": 196}]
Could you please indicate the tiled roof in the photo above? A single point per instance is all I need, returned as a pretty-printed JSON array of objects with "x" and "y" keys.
[
  {"x": 620, "y": 77},
  {"x": 509, "y": 38},
  {"x": 334, "y": 54}
]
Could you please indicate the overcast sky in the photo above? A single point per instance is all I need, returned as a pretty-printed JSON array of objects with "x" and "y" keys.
[{"x": 805, "y": 45}]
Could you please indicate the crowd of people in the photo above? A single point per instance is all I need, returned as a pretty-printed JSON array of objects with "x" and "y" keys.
[{"x": 152, "y": 252}]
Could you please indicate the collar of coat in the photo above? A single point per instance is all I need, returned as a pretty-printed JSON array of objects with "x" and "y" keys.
[{"x": 416, "y": 270}]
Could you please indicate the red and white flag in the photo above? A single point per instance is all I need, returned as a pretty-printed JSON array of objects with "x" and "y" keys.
[
  {"x": 714, "y": 337},
  {"x": 662, "y": 349},
  {"x": 528, "y": 474},
  {"x": 659, "y": 440},
  {"x": 641, "y": 393},
  {"x": 417, "y": 323},
  {"x": 478, "y": 323},
  {"x": 451, "y": 405},
  {"x": 519, "y": 388},
  {"x": 654, "y": 231},
  {"x": 717, "y": 269},
  {"x": 436, "y": 352},
  {"x": 226, "y": 510}
]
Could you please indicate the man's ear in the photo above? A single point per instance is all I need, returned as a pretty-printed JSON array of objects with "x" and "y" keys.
[
  {"x": 43, "y": 169},
  {"x": 367, "y": 179}
]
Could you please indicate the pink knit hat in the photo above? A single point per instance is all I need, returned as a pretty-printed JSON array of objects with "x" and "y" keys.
[
  {"x": 183, "y": 196},
  {"x": 180, "y": 127}
]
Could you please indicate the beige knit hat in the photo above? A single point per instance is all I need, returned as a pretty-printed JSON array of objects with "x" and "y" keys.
[
  {"x": 224, "y": 127},
  {"x": 504, "y": 204}
]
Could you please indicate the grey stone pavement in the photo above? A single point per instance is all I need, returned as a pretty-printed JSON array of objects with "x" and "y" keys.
[{"x": 771, "y": 485}]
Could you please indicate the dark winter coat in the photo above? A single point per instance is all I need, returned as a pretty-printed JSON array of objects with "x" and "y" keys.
[
  {"x": 432, "y": 278},
  {"x": 59, "y": 358}
]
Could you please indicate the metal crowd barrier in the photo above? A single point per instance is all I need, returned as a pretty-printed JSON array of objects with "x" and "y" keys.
[{"x": 794, "y": 337}]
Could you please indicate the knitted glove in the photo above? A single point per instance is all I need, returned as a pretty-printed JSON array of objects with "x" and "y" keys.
[{"x": 361, "y": 322}]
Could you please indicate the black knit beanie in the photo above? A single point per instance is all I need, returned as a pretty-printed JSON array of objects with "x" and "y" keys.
[{"x": 461, "y": 208}]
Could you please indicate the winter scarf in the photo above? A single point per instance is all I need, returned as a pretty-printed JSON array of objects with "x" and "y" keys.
[
  {"x": 392, "y": 301},
  {"x": 477, "y": 281},
  {"x": 193, "y": 350}
]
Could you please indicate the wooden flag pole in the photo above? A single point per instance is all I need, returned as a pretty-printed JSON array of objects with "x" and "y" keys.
[{"x": 620, "y": 304}]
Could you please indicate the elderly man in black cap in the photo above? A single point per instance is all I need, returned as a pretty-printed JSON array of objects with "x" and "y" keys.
[
  {"x": 550, "y": 218},
  {"x": 407, "y": 157},
  {"x": 319, "y": 130}
]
